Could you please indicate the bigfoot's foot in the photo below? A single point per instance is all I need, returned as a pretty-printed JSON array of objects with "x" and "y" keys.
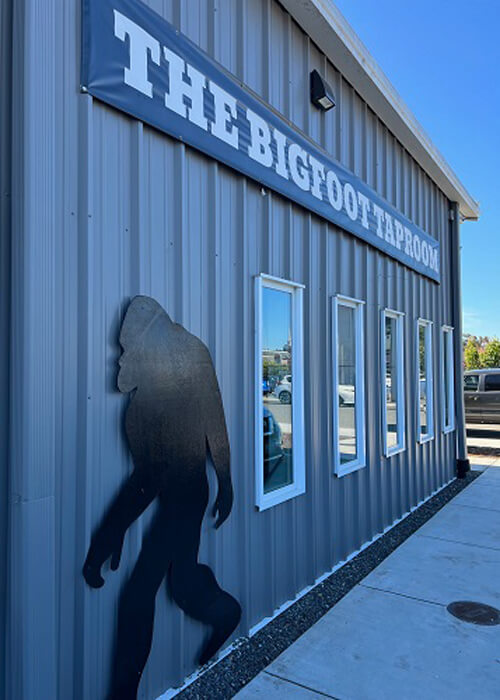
[{"x": 225, "y": 615}]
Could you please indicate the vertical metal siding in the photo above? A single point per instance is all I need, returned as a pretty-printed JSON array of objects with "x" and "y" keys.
[
  {"x": 114, "y": 209},
  {"x": 5, "y": 209},
  {"x": 31, "y": 596}
]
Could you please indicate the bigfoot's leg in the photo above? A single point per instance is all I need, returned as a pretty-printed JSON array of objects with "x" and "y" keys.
[
  {"x": 133, "y": 498},
  {"x": 196, "y": 591},
  {"x": 136, "y": 612}
]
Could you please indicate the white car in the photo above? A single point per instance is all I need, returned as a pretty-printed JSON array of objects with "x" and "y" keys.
[
  {"x": 284, "y": 389},
  {"x": 346, "y": 394}
]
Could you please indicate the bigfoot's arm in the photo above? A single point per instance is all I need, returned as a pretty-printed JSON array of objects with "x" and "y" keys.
[
  {"x": 107, "y": 541},
  {"x": 218, "y": 443}
]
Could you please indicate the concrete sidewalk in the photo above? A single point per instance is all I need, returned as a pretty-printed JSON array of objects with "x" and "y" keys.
[{"x": 391, "y": 636}]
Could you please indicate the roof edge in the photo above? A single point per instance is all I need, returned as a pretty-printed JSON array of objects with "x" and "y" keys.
[{"x": 329, "y": 29}]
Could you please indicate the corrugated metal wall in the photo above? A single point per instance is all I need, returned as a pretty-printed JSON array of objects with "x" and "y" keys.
[
  {"x": 5, "y": 198},
  {"x": 106, "y": 208}
]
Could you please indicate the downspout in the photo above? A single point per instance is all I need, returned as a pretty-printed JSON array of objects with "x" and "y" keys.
[{"x": 463, "y": 464}]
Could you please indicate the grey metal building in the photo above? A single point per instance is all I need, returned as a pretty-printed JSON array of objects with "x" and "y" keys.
[{"x": 99, "y": 206}]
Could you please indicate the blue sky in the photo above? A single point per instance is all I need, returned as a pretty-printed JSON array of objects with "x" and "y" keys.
[
  {"x": 443, "y": 57},
  {"x": 276, "y": 312}
]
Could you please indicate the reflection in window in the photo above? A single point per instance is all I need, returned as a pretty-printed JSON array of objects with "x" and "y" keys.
[
  {"x": 425, "y": 413},
  {"x": 348, "y": 374},
  {"x": 277, "y": 388},
  {"x": 422, "y": 354},
  {"x": 471, "y": 382},
  {"x": 347, "y": 384},
  {"x": 392, "y": 378},
  {"x": 447, "y": 383},
  {"x": 492, "y": 382},
  {"x": 448, "y": 393},
  {"x": 280, "y": 412}
]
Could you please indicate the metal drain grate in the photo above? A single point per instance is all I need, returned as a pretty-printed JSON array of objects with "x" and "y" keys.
[{"x": 475, "y": 613}]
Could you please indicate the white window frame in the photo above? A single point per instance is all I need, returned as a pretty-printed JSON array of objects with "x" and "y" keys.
[
  {"x": 425, "y": 323},
  {"x": 398, "y": 316},
  {"x": 358, "y": 306},
  {"x": 447, "y": 345},
  {"x": 298, "y": 486}
]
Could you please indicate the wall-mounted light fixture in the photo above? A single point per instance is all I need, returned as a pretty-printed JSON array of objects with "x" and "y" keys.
[{"x": 321, "y": 93}]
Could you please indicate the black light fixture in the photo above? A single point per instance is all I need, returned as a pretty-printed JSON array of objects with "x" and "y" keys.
[{"x": 321, "y": 93}]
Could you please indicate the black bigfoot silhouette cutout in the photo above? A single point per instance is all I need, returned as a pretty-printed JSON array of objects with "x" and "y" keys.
[{"x": 175, "y": 412}]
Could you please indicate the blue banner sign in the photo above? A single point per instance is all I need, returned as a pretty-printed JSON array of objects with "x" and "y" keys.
[{"x": 139, "y": 63}]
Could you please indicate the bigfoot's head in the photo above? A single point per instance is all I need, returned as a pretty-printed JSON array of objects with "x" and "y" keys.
[{"x": 143, "y": 337}]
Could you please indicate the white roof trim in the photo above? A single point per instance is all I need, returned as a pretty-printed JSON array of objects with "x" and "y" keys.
[{"x": 328, "y": 28}]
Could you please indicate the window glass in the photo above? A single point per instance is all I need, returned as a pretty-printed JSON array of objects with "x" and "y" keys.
[
  {"x": 446, "y": 380},
  {"x": 277, "y": 388},
  {"x": 492, "y": 382},
  {"x": 422, "y": 350},
  {"x": 448, "y": 386},
  {"x": 392, "y": 378},
  {"x": 471, "y": 382},
  {"x": 391, "y": 381},
  {"x": 347, "y": 384},
  {"x": 424, "y": 364},
  {"x": 279, "y": 392}
]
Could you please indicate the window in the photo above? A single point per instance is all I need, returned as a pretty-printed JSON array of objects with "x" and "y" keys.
[
  {"x": 279, "y": 412},
  {"x": 492, "y": 382},
  {"x": 348, "y": 385},
  {"x": 447, "y": 379},
  {"x": 393, "y": 411},
  {"x": 471, "y": 382},
  {"x": 425, "y": 412}
]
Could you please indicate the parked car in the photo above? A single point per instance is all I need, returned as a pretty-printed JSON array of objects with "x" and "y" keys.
[
  {"x": 346, "y": 394},
  {"x": 273, "y": 449},
  {"x": 284, "y": 389},
  {"x": 423, "y": 388},
  {"x": 388, "y": 388},
  {"x": 482, "y": 395}
]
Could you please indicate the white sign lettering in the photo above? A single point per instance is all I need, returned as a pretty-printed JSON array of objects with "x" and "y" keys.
[{"x": 191, "y": 95}]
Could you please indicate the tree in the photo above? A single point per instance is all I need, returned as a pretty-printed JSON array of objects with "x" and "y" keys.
[
  {"x": 471, "y": 355},
  {"x": 490, "y": 357}
]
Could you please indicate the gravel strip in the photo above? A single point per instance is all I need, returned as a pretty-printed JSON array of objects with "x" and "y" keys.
[{"x": 252, "y": 655}]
